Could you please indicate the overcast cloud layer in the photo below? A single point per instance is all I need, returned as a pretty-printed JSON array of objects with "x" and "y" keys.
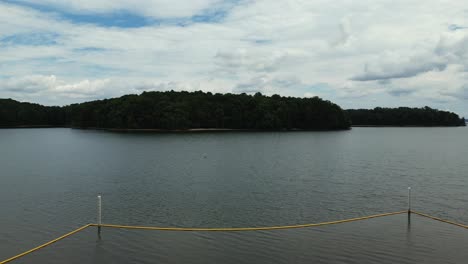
[{"x": 355, "y": 53}]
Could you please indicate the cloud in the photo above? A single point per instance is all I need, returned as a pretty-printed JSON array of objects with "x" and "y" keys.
[
  {"x": 344, "y": 32},
  {"x": 403, "y": 68},
  {"x": 454, "y": 27},
  {"x": 242, "y": 59},
  {"x": 454, "y": 47},
  {"x": 460, "y": 93},
  {"x": 284, "y": 85},
  {"x": 258, "y": 84},
  {"x": 451, "y": 49},
  {"x": 401, "y": 91},
  {"x": 166, "y": 86},
  {"x": 53, "y": 86},
  {"x": 416, "y": 54},
  {"x": 53, "y": 90},
  {"x": 28, "y": 84},
  {"x": 432, "y": 88},
  {"x": 82, "y": 89},
  {"x": 254, "y": 60},
  {"x": 271, "y": 85}
]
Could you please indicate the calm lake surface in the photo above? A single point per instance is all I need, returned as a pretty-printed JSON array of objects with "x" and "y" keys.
[{"x": 49, "y": 180}]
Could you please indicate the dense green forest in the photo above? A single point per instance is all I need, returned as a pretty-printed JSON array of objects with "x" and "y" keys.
[
  {"x": 183, "y": 110},
  {"x": 15, "y": 114},
  {"x": 404, "y": 116},
  {"x": 191, "y": 110}
]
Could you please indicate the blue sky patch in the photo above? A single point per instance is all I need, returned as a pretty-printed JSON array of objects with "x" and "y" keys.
[
  {"x": 258, "y": 41},
  {"x": 217, "y": 14},
  {"x": 101, "y": 71},
  {"x": 210, "y": 16},
  {"x": 127, "y": 19},
  {"x": 118, "y": 19},
  {"x": 47, "y": 59},
  {"x": 31, "y": 39},
  {"x": 455, "y": 27},
  {"x": 89, "y": 49},
  {"x": 263, "y": 41},
  {"x": 122, "y": 19}
]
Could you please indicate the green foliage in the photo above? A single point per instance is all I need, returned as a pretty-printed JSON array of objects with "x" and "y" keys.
[
  {"x": 185, "y": 110},
  {"x": 14, "y": 114},
  {"x": 404, "y": 116},
  {"x": 189, "y": 110}
]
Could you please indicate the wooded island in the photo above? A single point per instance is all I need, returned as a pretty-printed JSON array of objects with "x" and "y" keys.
[
  {"x": 199, "y": 110},
  {"x": 404, "y": 116},
  {"x": 181, "y": 111}
]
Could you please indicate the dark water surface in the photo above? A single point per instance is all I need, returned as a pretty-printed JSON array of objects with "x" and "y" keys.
[{"x": 49, "y": 179}]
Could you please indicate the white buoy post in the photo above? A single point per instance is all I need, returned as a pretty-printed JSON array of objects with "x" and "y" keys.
[
  {"x": 409, "y": 200},
  {"x": 99, "y": 213}
]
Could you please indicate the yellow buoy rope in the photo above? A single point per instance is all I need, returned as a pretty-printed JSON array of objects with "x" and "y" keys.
[
  {"x": 44, "y": 245},
  {"x": 226, "y": 229},
  {"x": 232, "y": 229},
  {"x": 439, "y": 219}
]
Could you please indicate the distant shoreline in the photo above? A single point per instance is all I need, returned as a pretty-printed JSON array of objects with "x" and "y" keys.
[
  {"x": 403, "y": 126},
  {"x": 192, "y": 130},
  {"x": 32, "y": 126},
  {"x": 206, "y": 130}
]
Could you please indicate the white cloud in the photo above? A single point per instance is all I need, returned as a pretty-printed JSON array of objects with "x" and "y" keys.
[
  {"x": 412, "y": 54},
  {"x": 345, "y": 33},
  {"x": 29, "y": 84},
  {"x": 451, "y": 49},
  {"x": 81, "y": 89},
  {"x": 167, "y": 86},
  {"x": 401, "y": 67},
  {"x": 53, "y": 87},
  {"x": 460, "y": 93},
  {"x": 241, "y": 60},
  {"x": 259, "y": 84}
]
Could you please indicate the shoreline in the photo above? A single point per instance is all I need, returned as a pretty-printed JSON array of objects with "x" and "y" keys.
[
  {"x": 428, "y": 126},
  {"x": 157, "y": 130},
  {"x": 212, "y": 130},
  {"x": 32, "y": 126},
  {"x": 205, "y": 130}
]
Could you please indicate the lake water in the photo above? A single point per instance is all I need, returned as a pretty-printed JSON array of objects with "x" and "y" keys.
[{"x": 49, "y": 180}]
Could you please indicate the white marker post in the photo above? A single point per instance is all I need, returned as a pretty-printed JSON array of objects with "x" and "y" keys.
[
  {"x": 409, "y": 200},
  {"x": 99, "y": 214}
]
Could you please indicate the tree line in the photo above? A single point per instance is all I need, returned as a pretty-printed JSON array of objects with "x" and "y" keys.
[
  {"x": 16, "y": 114},
  {"x": 191, "y": 110},
  {"x": 404, "y": 116},
  {"x": 183, "y": 110}
]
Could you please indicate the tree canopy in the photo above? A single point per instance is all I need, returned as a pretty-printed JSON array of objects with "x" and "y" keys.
[
  {"x": 404, "y": 116},
  {"x": 189, "y": 110},
  {"x": 15, "y": 114},
  {"x": 183, "y": 110},
  {"x": 192, "y": 110}
]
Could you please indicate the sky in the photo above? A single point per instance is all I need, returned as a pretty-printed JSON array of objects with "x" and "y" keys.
[{"x": 358, "y": 54}]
